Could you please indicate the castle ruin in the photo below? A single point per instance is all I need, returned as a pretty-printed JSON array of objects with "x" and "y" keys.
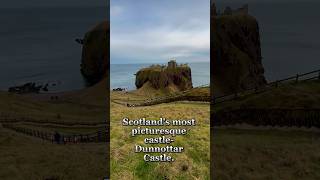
[{"x": 172, "y": 64}]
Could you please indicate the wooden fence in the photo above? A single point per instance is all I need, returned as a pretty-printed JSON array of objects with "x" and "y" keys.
[
  {"x": 313, "y": 75},
  {"x": 61, "y": 138},
  {"x": 269, "y": 117},
  {"x": 15, "y": 118}
]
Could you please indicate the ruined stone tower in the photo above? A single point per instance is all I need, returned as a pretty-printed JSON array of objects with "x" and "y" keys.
[{"x": 172, "y": 63}]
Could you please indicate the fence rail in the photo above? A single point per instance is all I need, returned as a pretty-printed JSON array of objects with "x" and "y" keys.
[
  {"x": 313, "y": 75},
  {"x": 60, "y": 138},
  {"x": 269, "y": 117},
  {"x": 15, "y": 118}
]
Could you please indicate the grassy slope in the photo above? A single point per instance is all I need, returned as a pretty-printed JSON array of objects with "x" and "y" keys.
[
  {"x": 87, "y": 105},
  {"x": 146, "y": 92},
  {"x": 127, "y": 164},
  {"x": 203, "y": 91},
  {"x": 23, "y": 157},
  {"x": 269, "y": 153},
  {"x": 239, "y": 154},
  {"x": 301, "y": 95},
  {"x": 266, "y": 154}
]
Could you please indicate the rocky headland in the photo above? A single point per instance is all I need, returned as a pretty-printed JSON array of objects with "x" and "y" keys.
[
  {"x": 235, "y": 51},
  {"x": 172, "y": 77},
  {"x": 95, "y": 53}
]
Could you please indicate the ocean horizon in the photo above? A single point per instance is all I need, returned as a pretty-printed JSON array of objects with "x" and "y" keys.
[{"x": 122, "y": 75}]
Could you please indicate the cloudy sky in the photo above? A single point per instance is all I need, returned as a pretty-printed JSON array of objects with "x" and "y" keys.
[
  {"x": 261, "y": 1},
  {"x": 152, "y": 31},
  {"x": 51, "y": 3}
]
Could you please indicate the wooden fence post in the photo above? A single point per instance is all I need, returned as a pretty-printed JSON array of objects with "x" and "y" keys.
[
  {"x": 297, "y": 78},
  {"x": 99, "y": 136}
]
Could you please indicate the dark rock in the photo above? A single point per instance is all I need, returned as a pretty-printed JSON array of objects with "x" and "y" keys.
[
  {"x": 118, "y": 89},
  {"x": 95, "y": 53},
  {"x": 80, "y": 41},
  {"x": 45, "y": 88},
  {"x": 235, "y": 53},
  {"x": 25, "y": 88}
]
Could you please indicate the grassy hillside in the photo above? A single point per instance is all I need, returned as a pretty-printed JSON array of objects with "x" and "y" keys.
[
  {"x": 78, "y": 112},
  {"x": 266, "y": 152},
  {"x": 23, "y": 157},
  {"x": 148, "y": 93},
  {"x": 191, "y": 164},
  {"x": 85, "y": 106},
  {"x": 301, "y": 95}
]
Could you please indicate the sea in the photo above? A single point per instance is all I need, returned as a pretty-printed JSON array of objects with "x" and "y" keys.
[
  {"x": 290, "y": 35},
  {"x": 38, "y": 45},
  {"x": 123, "y": 75}
]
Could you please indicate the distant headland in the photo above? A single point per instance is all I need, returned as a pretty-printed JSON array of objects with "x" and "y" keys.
[{"x": 172, "y": 77}]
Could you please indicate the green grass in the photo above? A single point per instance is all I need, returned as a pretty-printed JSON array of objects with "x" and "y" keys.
[
  {"x": 193, "y": 163},
  {"x": 301, "y": 95},
  {"x": 20, "y": 107},
  {"x": 61, "y": 129},
  {"x": 266, "y": 154},
  {"x": 238, "y": 154},
  {"x": 257, "y": 153},
  {"x": 84, "y": 106},
  {"x": 23, "y": 157},
  {"x": 203, "y": 91}
]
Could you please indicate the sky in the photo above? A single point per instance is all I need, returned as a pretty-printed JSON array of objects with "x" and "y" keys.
[
  {"x": 51, "y": 3},
  {"x": 262, "y": 1},
  {"x": 152, "y": 31}
]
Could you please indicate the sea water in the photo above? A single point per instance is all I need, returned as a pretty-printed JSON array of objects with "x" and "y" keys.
[
  {"x": 123, "y": 75},
  {"x": 38, "y": 44}
]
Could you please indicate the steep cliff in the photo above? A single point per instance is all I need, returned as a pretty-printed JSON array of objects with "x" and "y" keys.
[
  {"x": 163, "y": 77},
  {"x": 235, "y": 52},
  {"x": 95, "y": 53}
]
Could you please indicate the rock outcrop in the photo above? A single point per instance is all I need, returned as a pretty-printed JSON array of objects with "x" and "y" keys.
[
  {"x": 95, "y": 53},
  {"x": 235, "y": 53},
  {"x": 26, "y": 88},
  {"x": 174, "y": 77}
]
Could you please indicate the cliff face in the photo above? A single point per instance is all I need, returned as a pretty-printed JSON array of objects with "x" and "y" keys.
[
  {"x": 235, "y": 53},
  {"x": 178, "y": 78},
  {"x": 95, "y": 53}
]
